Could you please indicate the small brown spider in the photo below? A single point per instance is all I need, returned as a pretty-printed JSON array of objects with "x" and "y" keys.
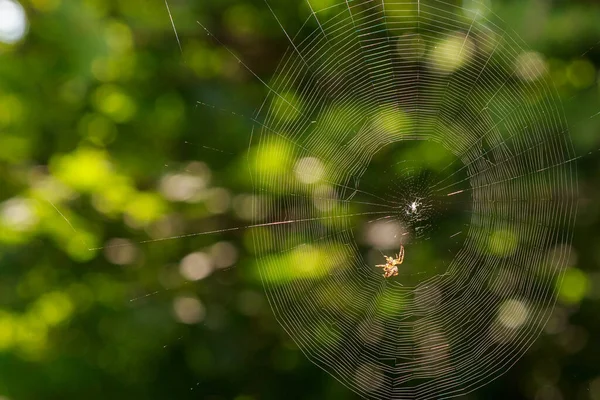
[{"x": 390, "y": 268}]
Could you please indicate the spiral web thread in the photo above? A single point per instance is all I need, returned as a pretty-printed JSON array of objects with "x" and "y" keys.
[{"x": 371, "y": 75}]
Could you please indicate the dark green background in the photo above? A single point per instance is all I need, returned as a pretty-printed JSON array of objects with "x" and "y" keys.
[{"x": 98, "y": 103}]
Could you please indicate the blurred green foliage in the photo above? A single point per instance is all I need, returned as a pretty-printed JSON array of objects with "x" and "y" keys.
[{"x": 98, "y": 119}]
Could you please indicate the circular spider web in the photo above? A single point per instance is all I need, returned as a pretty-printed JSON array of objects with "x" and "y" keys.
[{"x": 426, "y": 125}]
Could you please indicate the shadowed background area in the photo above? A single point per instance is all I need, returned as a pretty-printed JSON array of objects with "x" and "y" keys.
[{"x": 121, "y": 138}]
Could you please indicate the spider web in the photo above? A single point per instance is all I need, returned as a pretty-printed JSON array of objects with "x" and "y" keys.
[
  {"x": 421, "y": 124},
  {"x": 478, "y": 186}
]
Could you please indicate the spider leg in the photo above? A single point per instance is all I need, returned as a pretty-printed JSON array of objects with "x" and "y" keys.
[{"x": 401, "y": 255}]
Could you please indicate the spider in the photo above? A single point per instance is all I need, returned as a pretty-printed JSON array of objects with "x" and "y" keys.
[{"x": 390, "y": 268}]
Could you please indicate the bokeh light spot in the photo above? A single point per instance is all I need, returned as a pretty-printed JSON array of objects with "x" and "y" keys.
[
  {"x": 54, "y": 308},
  {"x": 195, "y": 266},
  {"x": 309, "y": 170},
  {"x": 7, "y": 330},
  {"x": 145, "y": 207},
  {"x": 120, "y": 251},
  {"x": 287, "y": 106},
  {"x": 181, "y": 187},
  {"x": 581, "y": 73},
  {"x": 452, "y": 53},
  {"x": 217, "y": 200},
  {"x": 513, "y": 313},
  {"x": 530, "y": 66},
  {"x": 503, "y": 242},
  {"x": 18, "y": 214},
  {"x": 575, "y": 286},
  {"x": 13, "y": 21},
  {"x": 224, "y": 254},
  {"x": 84, "y": 170},
  {"x": 384, "y": 235},
  {"x": 115, "y": 103},
  {"x": 188, "y": 310}
]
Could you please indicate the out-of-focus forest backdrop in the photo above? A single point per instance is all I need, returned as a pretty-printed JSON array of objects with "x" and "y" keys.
[{"x": 103, "y": 145}]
